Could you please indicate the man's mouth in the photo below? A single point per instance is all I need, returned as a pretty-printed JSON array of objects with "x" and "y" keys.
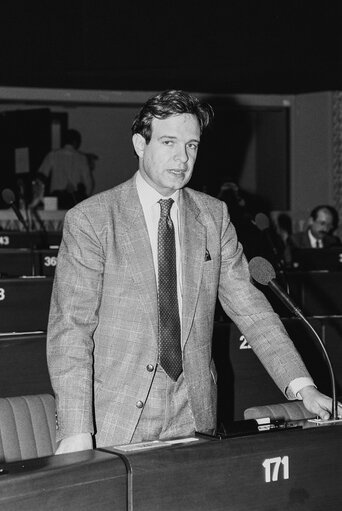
[{"x": 177, "y": 172}]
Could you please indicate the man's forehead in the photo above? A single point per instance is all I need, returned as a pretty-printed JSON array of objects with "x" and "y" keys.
[
  {"x": 324, "y": 214},
  {"x": 178, "y": 123}
]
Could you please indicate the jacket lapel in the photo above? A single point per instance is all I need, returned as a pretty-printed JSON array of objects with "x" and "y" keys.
[
  {"x": 137, "y": 248},
  {"x": 193, "y": 246}
]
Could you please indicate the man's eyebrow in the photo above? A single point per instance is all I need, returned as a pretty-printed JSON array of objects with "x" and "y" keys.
[{"x": 172, "y": 137}]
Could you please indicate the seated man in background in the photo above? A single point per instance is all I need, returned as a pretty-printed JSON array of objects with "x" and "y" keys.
[
  {"x": 68, "y": 171},
  {"x": 322, "y": 224}
]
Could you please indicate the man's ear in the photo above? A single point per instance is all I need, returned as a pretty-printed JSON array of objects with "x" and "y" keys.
[{"x": 139, "y": 144}]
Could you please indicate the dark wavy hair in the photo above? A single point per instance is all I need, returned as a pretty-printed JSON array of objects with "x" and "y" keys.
[
  {"x": 331, "y": 210},
  {"x": 167, "y": 103}
]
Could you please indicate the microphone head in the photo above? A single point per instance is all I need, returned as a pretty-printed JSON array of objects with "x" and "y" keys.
[
  {"x": 8, "y": 196},
  {"x": 262, "y": 221},
  {"x": 261, "y": 270}
]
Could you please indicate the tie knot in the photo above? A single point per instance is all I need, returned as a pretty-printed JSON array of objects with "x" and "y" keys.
[{"x": 165, "y": 206}]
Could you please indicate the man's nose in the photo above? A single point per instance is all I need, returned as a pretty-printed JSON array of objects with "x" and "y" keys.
[{"x": 182, "y": 154}]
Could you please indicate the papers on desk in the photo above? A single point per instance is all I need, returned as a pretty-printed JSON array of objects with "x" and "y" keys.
[{"x": 141, "y": 446}]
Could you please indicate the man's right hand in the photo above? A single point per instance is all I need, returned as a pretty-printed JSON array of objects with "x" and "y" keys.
[{"x": 74, "y": 443}]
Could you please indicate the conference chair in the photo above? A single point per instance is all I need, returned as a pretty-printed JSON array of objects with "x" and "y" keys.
[
  {"x": 289, "y": 411},
  {"x": 27, "y": 427}
]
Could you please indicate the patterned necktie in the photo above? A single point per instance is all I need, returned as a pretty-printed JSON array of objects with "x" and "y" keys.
[{"x": 170, "y": 352}]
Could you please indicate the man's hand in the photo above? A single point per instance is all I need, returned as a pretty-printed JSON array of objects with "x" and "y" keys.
[
  {"x": 80, "y": 442},
  {"x": 318, "y": 403}
]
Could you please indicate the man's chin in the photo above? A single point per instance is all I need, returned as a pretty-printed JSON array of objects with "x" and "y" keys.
[{"x": 178, "y": 180}]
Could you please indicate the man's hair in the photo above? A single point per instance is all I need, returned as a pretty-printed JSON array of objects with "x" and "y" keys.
[
  {"x": 167, "y": 103},
  {"x": 73, "y": 137},
  {"x": 332, "y": 211}
]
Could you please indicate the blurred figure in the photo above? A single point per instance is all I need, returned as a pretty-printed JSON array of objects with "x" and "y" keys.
[
  {"x": 68, "y": 171},
  {"x": 247, "y": 232},
  {"x": 322, "y": 224},
  {"x": 92, "y": 160},
  {"x": 282, "y": 228}
]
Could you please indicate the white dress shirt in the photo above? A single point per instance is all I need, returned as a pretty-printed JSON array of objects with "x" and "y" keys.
[{"x": 314, "y": 242}]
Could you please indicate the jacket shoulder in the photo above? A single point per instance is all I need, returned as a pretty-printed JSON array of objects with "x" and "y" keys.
[
  {"x": 203, "y": 199},
  {"x": 105, "y": 199}
]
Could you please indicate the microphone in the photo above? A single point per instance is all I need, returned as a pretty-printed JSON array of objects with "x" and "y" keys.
[
  {"x": 263, "y": 223},
  {"x": 263, "y": 272},
  {"x": 9, "y": 198}
]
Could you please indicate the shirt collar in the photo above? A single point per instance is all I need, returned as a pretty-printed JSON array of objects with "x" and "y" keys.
[
  {"x": 313, "y": 240},
  {"x": 148, "y": 195}
]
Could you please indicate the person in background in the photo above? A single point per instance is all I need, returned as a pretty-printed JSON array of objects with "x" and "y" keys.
[
  {"x": 243, "y": 220},
  {"x": 139, "y": 270},
  {"x": 67, "y": 170},
  {"x": 322, "y": 223}
]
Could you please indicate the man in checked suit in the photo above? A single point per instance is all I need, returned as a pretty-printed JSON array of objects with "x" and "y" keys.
[{"x": 104, "y": 325}]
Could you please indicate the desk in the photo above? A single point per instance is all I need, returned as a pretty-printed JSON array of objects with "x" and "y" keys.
[
  {"x": 316, "y": 293},
  {"x": 52, "y": 220},
  {"x": 22, "y": 261},
  {"x": 24, "y": 303},
  {"x": 242, "y": 379},
  {"x": 23, "y": 365},
  {"x": 298, "y": 469},
  {"x": 24, "y": 239}
]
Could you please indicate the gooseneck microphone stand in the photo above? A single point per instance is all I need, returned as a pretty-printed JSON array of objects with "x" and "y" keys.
[{"x": 9, "y": 198}]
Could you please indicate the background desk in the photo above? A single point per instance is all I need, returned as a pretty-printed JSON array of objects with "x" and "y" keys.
[
  {"x": 52, "y": 220},
  {"x": 316, "y": 293},
  {"x": 24, "y": 304},
  {"x": 24, "y": 239},
  {"x": 17, "y": 262},
  {"x": 242, "y": 380},
  {"x": 23, "y": 366}
]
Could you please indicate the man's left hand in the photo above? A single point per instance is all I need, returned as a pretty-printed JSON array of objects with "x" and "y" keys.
[{"x": 318, "y": 403}]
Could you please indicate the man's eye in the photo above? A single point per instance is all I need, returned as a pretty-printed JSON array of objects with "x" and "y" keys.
[
  {"x": 194, "y": 147},
  {"x": 168, "y": 142}
]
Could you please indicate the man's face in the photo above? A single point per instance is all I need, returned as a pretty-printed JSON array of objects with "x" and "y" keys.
[
  {"x": 167, "y": 161},
  {"x": 322, "y": 225}
]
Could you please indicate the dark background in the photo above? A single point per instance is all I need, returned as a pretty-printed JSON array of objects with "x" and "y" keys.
[{"x": 240, "y": 47}]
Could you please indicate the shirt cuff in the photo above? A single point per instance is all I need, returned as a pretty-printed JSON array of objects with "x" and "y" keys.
[{"x": 296, "y": 385}]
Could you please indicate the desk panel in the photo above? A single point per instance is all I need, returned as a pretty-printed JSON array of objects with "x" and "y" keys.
[
  {"x": 24, "y": 304},
  {"x": 22, "y": 261},
  {"x": 320, "y": 293},
  {"x": 23, "y": 365},
  {"x": 242, "y": 379},
  {"x": 278, "y": 471},
  {"x": 83, "y": 481},
  {"x": 332, "y": 337},
  {"x": 23, "y": 239},
  {"x": 316, "y": 293}
]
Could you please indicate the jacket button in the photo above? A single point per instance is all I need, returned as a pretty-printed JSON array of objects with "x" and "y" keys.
[
  {"x": 150, "y": 368},
  {"x": 139, "y": 404}
]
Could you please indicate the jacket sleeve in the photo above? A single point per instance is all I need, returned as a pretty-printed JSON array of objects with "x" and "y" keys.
[
  {"x": 72, "y": 320},
  {"x": 253, "y": 314}
]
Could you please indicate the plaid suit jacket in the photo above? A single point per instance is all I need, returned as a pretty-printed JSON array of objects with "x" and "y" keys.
[{"x": 103, "y": 323}]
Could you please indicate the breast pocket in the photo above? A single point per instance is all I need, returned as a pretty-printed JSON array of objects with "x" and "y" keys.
[{"x": 213, "y": 371}]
